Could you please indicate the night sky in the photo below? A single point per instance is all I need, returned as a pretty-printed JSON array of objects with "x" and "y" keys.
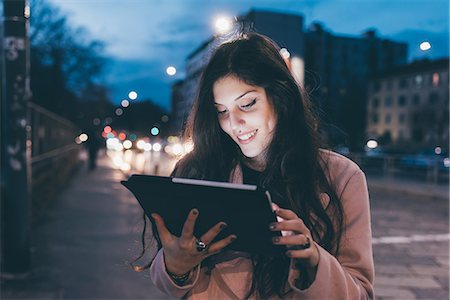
[{"x": 143, "y": 37}]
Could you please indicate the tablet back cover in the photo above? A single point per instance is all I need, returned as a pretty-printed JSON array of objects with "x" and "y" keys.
[{"x": 246, "y": 209}]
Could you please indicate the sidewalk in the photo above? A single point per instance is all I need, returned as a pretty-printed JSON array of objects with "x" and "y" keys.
[{"x": 83, "y": 242}]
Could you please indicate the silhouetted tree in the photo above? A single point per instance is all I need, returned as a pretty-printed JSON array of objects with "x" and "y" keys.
[{"x": 65, "y": 63}]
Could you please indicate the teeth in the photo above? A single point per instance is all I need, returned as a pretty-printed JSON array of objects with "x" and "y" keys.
[{"x": 247, "y": 136}]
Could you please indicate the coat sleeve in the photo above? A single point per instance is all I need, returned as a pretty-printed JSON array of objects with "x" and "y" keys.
[
  {"x": 349, "y": 275},
  {"x": 164, "y": 283}
]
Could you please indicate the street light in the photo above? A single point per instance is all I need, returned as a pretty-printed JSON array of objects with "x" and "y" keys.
[
  {"x": 125, "y": 103},
  {"x": 372, "y": 144},
  {"x": 425, "y": 46},
  {"x": 132, "y": 95},
  {"x": 223, "y": 24},
  {"x": 171, "y": 71}
]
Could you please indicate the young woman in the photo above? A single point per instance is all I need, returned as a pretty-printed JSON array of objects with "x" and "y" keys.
[{"x": 252, "y": 124}]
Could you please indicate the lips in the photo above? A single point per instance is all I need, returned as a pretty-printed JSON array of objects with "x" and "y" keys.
[{"x": 247, "y": 137}]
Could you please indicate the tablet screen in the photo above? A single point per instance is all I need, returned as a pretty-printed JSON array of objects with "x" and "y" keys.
[{"x": 245, "y": 208}]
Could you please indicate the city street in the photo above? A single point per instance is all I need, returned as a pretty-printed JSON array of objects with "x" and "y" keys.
[{"x": 84, "y": 240}]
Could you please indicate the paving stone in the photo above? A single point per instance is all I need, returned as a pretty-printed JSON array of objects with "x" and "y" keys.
[
  {"x": 435, "y": 294},
  {"x": 427, "y": 270},
  {"x": 393, "y": 293},
  {"x": 444, "y": 281},
  {"x": 404, "y": 259},
  {"x": 392, "y": 270},
  {"x": 444, "y": 261},
  {"x": 408, "y": 281}
]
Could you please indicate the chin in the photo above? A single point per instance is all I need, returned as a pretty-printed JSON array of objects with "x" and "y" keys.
[{"x": 251, "y": 153}]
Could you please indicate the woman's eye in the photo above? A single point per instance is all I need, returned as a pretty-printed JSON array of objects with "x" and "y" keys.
[
  {"x": 249, "y": 105},
  {"x": 221, "y": 112}
]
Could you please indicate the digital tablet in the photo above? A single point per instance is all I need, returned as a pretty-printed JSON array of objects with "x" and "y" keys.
[{"x": 245, "y": 208}]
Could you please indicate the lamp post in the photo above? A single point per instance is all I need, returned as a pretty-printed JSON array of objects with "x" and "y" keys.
[{"x": 15, "y": 152}]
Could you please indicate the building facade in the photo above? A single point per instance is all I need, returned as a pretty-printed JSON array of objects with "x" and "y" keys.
[
  {"x": 338, "y": 70},
  {"x": 409, "y": 106}
]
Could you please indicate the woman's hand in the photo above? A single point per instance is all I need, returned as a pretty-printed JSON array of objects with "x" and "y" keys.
[
  {"x": 180, "y": 253},
  {"x": 298, "y": 239}
]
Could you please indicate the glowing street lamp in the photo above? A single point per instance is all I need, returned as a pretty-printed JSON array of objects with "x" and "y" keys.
[
  {"x": 125, "y": 103},
  {"x": 372, "y": 144},
  {"x": 425, "y": 46},
  {"x": 171, "y": 71},
  {"x": 132, "y": 95},
  {"x": 223, "y": 24}
]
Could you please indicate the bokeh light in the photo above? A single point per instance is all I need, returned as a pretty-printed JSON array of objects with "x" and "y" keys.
[
  {"x": 424, "y": 46},
  {"x": 171, "y": 71},
  {"x": 125, "y": 103},
  {"x": 223, "y": 24}
]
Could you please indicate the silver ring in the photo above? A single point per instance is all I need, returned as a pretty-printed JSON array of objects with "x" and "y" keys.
[{"x": 200, "y": 246}]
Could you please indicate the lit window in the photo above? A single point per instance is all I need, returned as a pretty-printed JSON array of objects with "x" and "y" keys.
[
  {"x": 435, "y": 79},
  {"x": 419, "y": 80}
]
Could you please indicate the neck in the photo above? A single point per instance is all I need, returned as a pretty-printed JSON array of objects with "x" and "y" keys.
[{"x": 257, "y": 163}]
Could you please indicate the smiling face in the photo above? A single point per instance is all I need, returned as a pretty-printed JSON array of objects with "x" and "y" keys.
[{"x": 246, "y": 115}]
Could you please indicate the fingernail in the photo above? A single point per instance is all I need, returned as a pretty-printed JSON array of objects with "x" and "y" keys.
[
  {"x": 195, "y": 212},
  {"x": 233, "y": 238},
  {"x": 153, "y": 216},
  {"x": 272, "y": 226},
  {"x": 223, "y": 225},
  {"x": 288, "y": 253},
  {"x": 275, "y": 239}
]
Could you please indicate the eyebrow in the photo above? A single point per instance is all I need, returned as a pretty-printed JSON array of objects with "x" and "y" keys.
[{"x": 239, "y": 97}]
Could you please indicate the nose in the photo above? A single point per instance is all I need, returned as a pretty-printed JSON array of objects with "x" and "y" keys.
[{"x": 236, "y": 122}]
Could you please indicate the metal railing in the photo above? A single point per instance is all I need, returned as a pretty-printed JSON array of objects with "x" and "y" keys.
[
  {"x": 54, "y": 154},
  {"x": 430, "y": 169}
]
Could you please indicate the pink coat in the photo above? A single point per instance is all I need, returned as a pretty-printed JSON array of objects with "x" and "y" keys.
[{"x": 348, "y": 276}]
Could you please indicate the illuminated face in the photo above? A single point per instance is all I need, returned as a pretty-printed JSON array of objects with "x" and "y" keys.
[{"x": 245, "y": 114}]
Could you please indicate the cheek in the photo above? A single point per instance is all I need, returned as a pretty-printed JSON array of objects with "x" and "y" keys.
[
  {"x": 225, "y": 126},
  {"x": 272, "y": 122}
]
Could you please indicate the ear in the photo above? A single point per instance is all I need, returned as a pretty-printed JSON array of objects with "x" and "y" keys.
[{"x": 287, "y": 61}]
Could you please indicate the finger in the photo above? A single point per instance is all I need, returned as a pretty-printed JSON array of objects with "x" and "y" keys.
[
  {"x": 286, "y": 214},
  {"x": 300, "y": 254},
  {"x": 296, "y": 225},
  {"x": 293, "y": 240},
  {"x": 164, "y": 233},
  {"x": 218, "y": 246},
  {"x": 189, "y": 224},
  {"x": 275, "y": 207},
  {"x": 307, "y": 257},
  {"x": 209, "y": 236}
]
